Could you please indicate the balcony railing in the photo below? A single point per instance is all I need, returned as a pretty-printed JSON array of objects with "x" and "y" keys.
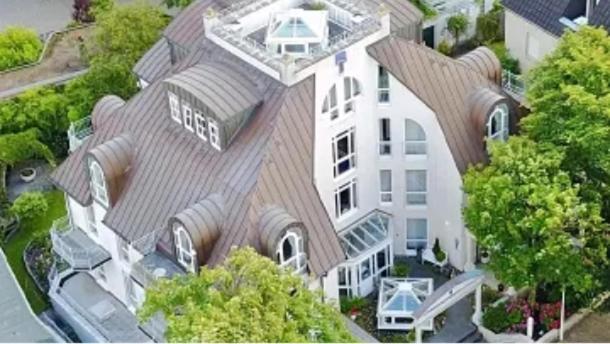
[
  {"x": 79, "y": 131},
  {"x": 513, "y": 83},
  {"x": 75, "y": 247}
]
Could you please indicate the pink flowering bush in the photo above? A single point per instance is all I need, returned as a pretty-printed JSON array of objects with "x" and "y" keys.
[
  {"x": 549, "y": 315},
  {"x": 512, "y": 316}
]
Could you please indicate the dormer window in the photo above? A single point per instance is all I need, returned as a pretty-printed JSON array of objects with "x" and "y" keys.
[
  {"x": 98, "y": 183},
  {"x": 185, "y": 253},
  {"x": 201, "y": 125},
  {"x": 214, "y": 135},
  {"x": 174, "y": 106},
  {"x": 290, "y": 252},
  {"x": 498, "y": 124},
  {"x": 187, "y": 114}
]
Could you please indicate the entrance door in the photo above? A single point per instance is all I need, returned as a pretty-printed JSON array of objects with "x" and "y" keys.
[
  {"x": 429, "y": 36},
  {"x": 367, "y": 284},
  {"x": 417, "y": 235}
]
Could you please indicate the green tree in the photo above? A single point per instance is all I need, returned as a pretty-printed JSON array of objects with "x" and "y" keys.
[
  {"x": 569, "y": 94},
  {"x": 22, "y": 146},
  {"x": 18, "y": 46},
  {"x": 489, "y": 26},
  {"x": 247, "y": 299},
  {"x": 457, "y": 25},
  {"x": 29, "y": 205},
  {"x": 524, "y": 210},
  {"x": 177, "y": 3},
  {"x": 127, "y": 31}
]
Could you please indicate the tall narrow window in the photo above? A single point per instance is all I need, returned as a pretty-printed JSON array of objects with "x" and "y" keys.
[
  {"x": 98, "y": 183},
  {"x": 415, "y": 138},
  {"x": 201, "y": 125},
  {"x": 383, "y": 86},
  {"x": 344, "y": 153},
  {"x": 497, "y": 125},
  {"x": 416, "y": 187},
  {"x": 123, "y": 249},
  {"x": 385, "y": 186},
  {"x": 187, "y": 114},
  {"x": 101, "y": 273},
  {"x": 214, "y": 134},
  {"x": 91, "y": 220},
  {"x": 290, "y": 252},
  {"x": 130, "y": 291},
  {"x": 345, "y": 199},
  {"x": 174, "y": 106},
  {"x": 351, "y": 89},
  {"x": 385, "y": 137},
  {"x": 417, "y": 234},
  {"x": 330, "y": 104},
  {"x": 185, "y": 254}
]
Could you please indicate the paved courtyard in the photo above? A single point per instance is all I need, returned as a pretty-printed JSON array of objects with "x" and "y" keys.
[{"x": 593, "y": 329}]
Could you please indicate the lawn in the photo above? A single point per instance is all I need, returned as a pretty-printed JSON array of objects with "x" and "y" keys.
[{"x": 14, "y": 248}]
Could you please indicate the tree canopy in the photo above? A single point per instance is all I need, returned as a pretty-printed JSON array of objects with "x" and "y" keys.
[
  {"x": 569, "y": 94},
  {"x": 457, "y": 25},
  {"x": 247, "y": 299},
  {"x": 18, "y": 46},
  {"x": 177, "y": 3},
  {"x": 22, "y": 146},
  {"x": 525, "y": 211}
]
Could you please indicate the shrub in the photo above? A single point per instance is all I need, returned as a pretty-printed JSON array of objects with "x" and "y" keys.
[
  {"x": 318, "y": 6},
  {"x": 29, "y": 205},
  {"x": 439, "y": 254},
  {"x": 400, "y": 269},
  {"x": 489, "y": 26},
  {"x": 495, "y": 319},
  {"x": 457, "y": 25},
  {"x": 18, "y": 46},
  {"x": 428, "y": 12},
  {"x": 444, "y": 48},
  {"x": 349, "y": 304},
  {"x": 508, "y": 62}
]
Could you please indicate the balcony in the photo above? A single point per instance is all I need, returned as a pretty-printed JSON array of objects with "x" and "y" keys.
[
  {"x": 75, "y": 247},
  {"x": 152, "y": 267},
  {"x": 78, "y": 132},
  {"x": 514, "y": 85}
]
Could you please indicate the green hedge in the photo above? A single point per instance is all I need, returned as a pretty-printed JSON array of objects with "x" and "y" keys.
[{"x": 18, "y": 46}]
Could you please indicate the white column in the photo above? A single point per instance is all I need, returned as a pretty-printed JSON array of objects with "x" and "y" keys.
[
  {"x": 476, "y": 317},
  {"x": 418, "y": 333}
]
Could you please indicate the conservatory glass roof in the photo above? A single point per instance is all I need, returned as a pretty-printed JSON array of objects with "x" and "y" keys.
[
  {"x": 294, "y": 27},
  {"x": 403, "y": 296},
  {"x": 365, "y": 234}
]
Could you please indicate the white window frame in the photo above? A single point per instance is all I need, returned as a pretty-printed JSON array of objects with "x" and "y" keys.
[
  {"x": 331, "y": 103},
  {"x": 340, "y": 100},
  {"x": 414, "y": 146},
  {"x": 174, "y": 107},
  {"x": 383, "y": 91},
  {"x": 385, "y": 146},
  {"x": 423, "y": 193},
  {"x": 130, "y": 293},
  {"x": 500, "y": 113},
  {"x": 349, "y": 95},
  {"x": 183, "y": 252},
  {"x": 101, "y": 273},
  {"x": 91, "y": 220},
  {"x": 214, "y": 133},
  {"x": 407, "y": 240},
  {"x": 187, "y": 114},
  {"x": 385, "y": 196},
  {"x": 350, "y": 157},
  {"x": 123, "y": 250},
  {"x": 298, "y": 261},
  {"x": 201, "y": 125},
  {"x": 99, "y": 191},
  {"x": 352, "y": 185}
]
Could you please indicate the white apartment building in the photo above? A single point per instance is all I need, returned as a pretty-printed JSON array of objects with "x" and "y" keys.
[{"x": 323, "y": 134}]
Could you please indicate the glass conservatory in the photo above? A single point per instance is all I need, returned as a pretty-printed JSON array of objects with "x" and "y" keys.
[
  {"x": 368, "y": 247},
  {"x": 399, "y": 299},
  {"x": 297, "y": 32}
]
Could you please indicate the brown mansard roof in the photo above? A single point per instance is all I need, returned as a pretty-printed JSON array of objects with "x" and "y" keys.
[
  {"x": 444, "y": 85},
  {"x": 269, "y": 163}
]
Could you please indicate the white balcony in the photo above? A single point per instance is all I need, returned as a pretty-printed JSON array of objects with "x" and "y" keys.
[
  {"x": 76, "y": 247},
  {"x": 78, "y": 132}
]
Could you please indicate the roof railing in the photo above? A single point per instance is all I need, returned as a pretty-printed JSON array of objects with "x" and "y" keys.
[
  {"x": 78, "y": 257},
  {"x": 513, "y": 83},
  {"x": 78, "y": 132}
]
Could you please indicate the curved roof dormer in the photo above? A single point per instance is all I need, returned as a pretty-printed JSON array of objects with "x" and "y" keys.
[
  {"x": 104, "y": 108},
  {"x": 274, "y": 223},
  {"x": 483, "y": 103},
  {"x": 203, "y": 222},
  {"x": 215, "y": 96},
  {"x": 114, "y": 157},
  {"x": 485, "y": 62}
]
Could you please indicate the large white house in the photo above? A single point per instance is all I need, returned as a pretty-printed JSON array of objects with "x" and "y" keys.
[{"x": 326, "y": 137}]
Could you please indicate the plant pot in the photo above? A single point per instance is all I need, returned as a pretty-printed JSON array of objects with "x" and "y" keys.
[
  {"x": 484, "y": 259},
  {"x": 27, "y": 174}
]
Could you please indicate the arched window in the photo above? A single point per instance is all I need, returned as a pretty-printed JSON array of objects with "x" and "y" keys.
[
  {"x": 415, "y": 138},
  {"x": 350, "y": 88},
  {"x": 98, "y": 183},
  {"x": 185, "y": 254},
  {"x": 290, "y": 252},
  {"x": 497, "y": 124}
]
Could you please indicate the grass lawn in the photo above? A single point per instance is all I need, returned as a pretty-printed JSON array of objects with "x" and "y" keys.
[{"x": 14, "y": 248}]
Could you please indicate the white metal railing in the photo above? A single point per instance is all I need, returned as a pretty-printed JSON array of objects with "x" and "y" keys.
[
  {"x": 78, "y": 257},
  {"x": 298, "y": 263},
  {"x": 513, "y": 83},
  {"x": 79, "y": 131},
  {"x": 148, "y": 243}
]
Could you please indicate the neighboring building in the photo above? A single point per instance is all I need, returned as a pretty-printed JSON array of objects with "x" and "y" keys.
[
  {"x": 532, "y": 28},
  {"x": 329, "y": 140},
  {"x": 435, "y": 29}
]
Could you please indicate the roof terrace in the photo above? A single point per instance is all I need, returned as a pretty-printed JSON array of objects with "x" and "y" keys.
[{"x": 276, "y": 35}]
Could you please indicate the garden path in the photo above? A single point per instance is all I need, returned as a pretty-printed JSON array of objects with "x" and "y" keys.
[{"x": 15, "y": 186}]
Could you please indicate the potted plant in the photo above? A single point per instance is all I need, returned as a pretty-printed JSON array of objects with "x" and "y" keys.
[
  {"x": 27, "y": 174},
  {"x": 484, "y": 257},
  {"x": 354, "y": 313},
  {"x": 439, "y": 254}
]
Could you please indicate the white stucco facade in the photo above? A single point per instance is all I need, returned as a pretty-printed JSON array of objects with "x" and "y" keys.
[{"x": 526, "y": 41}]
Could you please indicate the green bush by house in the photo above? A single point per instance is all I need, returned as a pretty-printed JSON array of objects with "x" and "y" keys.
[{"x": 18, "y": 46}]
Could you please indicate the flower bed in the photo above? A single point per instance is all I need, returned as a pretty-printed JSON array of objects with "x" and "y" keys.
[{"x": 38, "y": 259}]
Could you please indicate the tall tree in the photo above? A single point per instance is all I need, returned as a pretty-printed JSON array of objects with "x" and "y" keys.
[
  {"x": 569, "y": 94},
  {"x": 457, "y": 25},
  {"x": 22, "y": 146},
  {"x": 524, "y": 210},
  {"x": 248, "y": 299},
  {"x": 177, "y": 3}
]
